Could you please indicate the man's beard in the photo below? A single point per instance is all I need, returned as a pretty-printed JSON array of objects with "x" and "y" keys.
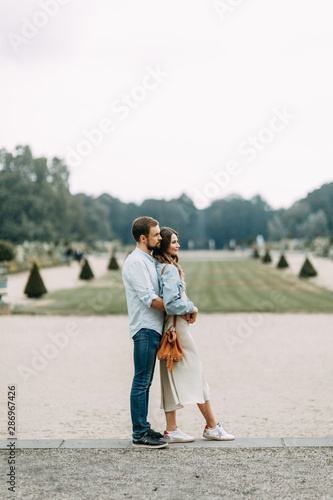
[{"x": 156, "y": 246}]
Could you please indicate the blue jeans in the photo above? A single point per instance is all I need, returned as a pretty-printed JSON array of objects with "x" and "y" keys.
[{"x": 146, "y": 343}]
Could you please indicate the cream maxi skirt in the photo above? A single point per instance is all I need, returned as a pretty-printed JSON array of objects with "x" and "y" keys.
[{"x": 186, "y": 383}]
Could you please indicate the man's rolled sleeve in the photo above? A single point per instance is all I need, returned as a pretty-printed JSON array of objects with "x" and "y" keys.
[
  {"x": 149, "y": 300},
  {"x": 141, "y": 283}
]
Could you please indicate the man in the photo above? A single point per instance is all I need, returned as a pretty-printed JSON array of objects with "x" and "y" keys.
[{"x": 146, "y": 317}]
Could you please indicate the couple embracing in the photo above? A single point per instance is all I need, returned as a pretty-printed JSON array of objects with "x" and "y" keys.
[{"x": 155, "y": 292}]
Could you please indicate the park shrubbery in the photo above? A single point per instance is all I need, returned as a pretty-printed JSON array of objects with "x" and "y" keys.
[
  {"x": 86, "y": 272},
  {"x": 307, "y": 270},
  {"x": 283, "y": 263},
  {"x": 35, "y": 287},
  {"x": 7, "y": 251},
  {"x": 113, "y": 263},
  {"x": 267, "y": 257}
]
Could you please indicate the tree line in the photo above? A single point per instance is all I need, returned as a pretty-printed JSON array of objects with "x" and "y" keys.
[{"x": 36, "y": 204}]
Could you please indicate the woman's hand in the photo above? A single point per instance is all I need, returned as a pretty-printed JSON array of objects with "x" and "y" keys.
[
  {"x": 191, "y": 317},
  {"x": 186, "y": 317},
  {"x": 194, "y": 315}
]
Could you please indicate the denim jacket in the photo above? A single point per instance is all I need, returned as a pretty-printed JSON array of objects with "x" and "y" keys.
[{"x": 171, "y": 287}]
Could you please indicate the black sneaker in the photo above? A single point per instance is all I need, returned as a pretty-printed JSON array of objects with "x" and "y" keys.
[
  {"x": 148, "y": 441},
  {"x": 155, "y": 434}
]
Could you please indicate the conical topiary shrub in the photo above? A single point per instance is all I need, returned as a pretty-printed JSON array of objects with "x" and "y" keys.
[
  {"x": 86, "y": 272},
  {"x": 35, "y": 286},
  {"x": 255, "y": 254},
  {"x": 267, "y": 258},
  {"x": 282, "y": 264},
  {"x": 307, "y": 270},
  {"x": 113, "y": 263}
]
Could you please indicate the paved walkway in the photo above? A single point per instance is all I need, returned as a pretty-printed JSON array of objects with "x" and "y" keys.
[{"x": 123, "y": 444}]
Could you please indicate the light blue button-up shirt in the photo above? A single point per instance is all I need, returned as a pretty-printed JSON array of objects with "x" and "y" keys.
[
  {"x": 142, "y": 287},
  {"x": 171, "y": 287}
]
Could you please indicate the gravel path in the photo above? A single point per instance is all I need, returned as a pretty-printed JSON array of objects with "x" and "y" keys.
[
  {"x": 172, "y": 474},
  {"x": 324, "y": 267},
  {"x": 270, "y": 375}
]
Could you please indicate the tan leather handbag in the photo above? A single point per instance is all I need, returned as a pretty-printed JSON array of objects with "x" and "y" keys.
[{"x": 170, "y": 348}]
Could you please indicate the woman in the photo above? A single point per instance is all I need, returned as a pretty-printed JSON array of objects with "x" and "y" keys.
[{"x": 186, "y": 384}]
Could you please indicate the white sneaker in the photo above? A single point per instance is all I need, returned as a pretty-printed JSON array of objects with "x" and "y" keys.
[
  {"x": 217, "y": 433},
  {"x": 177, "y": 436}
]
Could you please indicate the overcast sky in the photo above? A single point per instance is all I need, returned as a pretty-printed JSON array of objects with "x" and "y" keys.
[{"x": 196, "y": 96}]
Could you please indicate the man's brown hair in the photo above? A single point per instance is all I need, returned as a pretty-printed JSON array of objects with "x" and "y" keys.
[{"x": 142, "y": 225}]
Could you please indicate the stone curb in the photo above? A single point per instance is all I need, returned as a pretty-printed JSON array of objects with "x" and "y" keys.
[{"x": 290, "y": 442}]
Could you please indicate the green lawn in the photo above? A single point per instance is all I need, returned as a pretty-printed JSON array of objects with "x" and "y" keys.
[
  {"x": 249, "y": 285},
  {"x": 219, "y": 286}
]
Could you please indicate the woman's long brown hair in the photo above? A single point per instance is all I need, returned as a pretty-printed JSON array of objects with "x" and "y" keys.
[{"x": 160, "y": 253}]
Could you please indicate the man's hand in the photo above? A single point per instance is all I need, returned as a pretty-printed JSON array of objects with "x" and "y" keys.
[{"x": 158, "y": 304}]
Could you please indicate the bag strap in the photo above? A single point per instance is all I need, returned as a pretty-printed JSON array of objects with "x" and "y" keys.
[{"x": 175, "y": 317}]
